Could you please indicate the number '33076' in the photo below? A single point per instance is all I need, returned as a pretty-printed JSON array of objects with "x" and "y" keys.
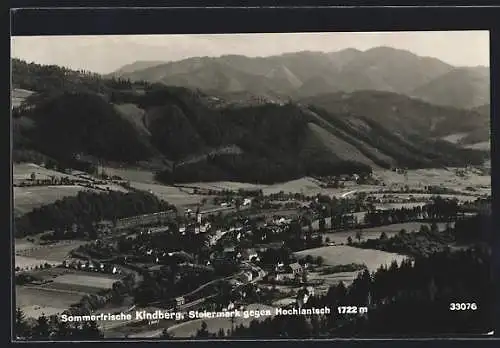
[{"x": 463, "y": 306}]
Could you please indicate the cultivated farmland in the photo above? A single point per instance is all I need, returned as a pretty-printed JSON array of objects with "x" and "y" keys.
[
  {"x": 174, "y": 195},
  {"x": 485, "y": 146},
  {"x": 30, "y": 255},
  {"x": 22, "y": 171},
  {"x": 343, "y": 255},
  {"x": 19, "y": 95},
  {"x": 35, "y": 301},
  {"x": 132, "y": 174},
  {"x": 375, "y": 232},
  {"x": 79, "y": 279},
  {"x": 53, "y": 252},
  {"x": 28, "y": 198},
  {"x": 433, "y": 177},
  {"x": 25, "y": 263}
]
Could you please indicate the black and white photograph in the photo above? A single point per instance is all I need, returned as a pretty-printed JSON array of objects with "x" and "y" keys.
[{"x": 321, "y": 185}]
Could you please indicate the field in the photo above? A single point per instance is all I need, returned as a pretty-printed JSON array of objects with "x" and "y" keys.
[
  {"x": 414, "y": 178},
  {"x": 71, "y": 288},
  {"x": 23, "y": 171},
  {"x": 434, "y": 177},
  {"x": 35, "y": 301},
  {"x": 343, "y": 255},
  {"x": 174, "y": 195},
  {"x": 454, "y": 138},
  {"x": 331, "y": 279},
  {"x": 90, "y": 280},
  {"x": 375, "y": 232},
  {"x": 307, "y": 186},
  {"x": 390, "y": 206},
  {"x": 28, "y": 198},
  {"x": 427, "y": 196},
  {"x": 54, "y": 252},
  {"x": 29, "y": 255},
  {"x": 19, "y": 96},
  {"x": 485, "y": 145},
  {"x": 131, "y": 174},
  {"x": 65, "y": 288},
  {"x": 28, "y": 262}
]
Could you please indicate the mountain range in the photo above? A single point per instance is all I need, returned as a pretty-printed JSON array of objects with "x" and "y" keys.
[
  {"x": 305, "y": 74},
  {"x": 191, "y": 135}
]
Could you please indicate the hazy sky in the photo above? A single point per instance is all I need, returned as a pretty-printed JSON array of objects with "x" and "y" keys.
[{"x": 103, "y": 54}]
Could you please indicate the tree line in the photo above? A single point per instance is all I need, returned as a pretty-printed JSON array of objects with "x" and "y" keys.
[
  {"x": 429, "y": 239},
  {"x": 53, "y": 328},
  {"x": 84, "y": 210},
  {"x": 412, "y": 298}
]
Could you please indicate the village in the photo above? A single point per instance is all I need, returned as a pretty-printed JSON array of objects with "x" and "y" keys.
[{"x": 232, "y": 249}]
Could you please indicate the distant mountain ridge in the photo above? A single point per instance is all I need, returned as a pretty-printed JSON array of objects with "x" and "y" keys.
[
  {"x": 138, "y": 65},
  {"x": 461, "y": 87},
  {"x": 306, "y": 74}
]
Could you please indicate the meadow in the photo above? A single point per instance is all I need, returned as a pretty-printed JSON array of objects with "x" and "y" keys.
[
  {"x": 23, "y": 171},
  {"x": 174, "y": 195},
  {"x": 132, "y": 174},
  {"x": 64, "y": 288},
  {"x": 37, "y": 301},
  {"x": 433, "y": 177},
  {"x": 99, "y": 281},
  {"x": 343, "y": 255},
  {"x": 375, "y": 232},
  {"x": 28, "y": 198},
  {"x": 54, "y": 252}
]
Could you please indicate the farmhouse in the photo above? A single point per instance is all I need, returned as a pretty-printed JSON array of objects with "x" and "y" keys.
[
  {"x": 179, "y": 301},
  {"x": 294, "y": 268},
  {"x": 247, "y": 201}
]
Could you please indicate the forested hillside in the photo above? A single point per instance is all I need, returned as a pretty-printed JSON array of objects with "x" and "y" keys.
[
  {"x": 403, "y": 115},
  {"x": 77, "y": 115}
]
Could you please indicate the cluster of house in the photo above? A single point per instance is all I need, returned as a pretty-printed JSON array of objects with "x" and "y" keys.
[
  {"x": 91, "y": 266},
  {"x": 195, "y": 228},
  {"x": 158, "y": 255},
  {"x": 285, "y": 272},
  {"x": 392, "y": 199},
  {"x": 242, "y": 255}
]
